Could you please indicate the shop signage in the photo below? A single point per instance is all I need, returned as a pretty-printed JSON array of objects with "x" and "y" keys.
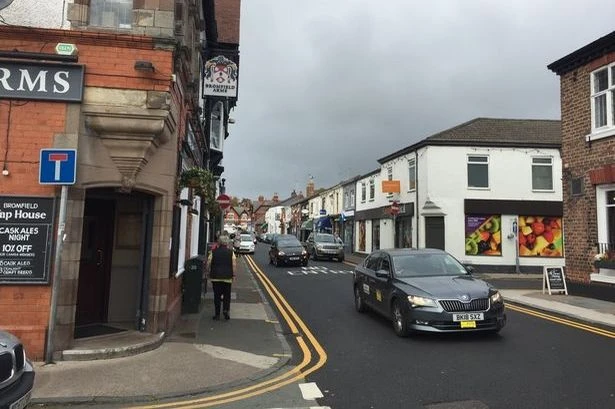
[
  {"x": 38, "y": 80},
  {"x": 220, "y": 77},
  {"x": 66, "y": 49},
  {"x": 391, "y": 186},
  {"x": 25, "y": 239},
  {"x": 554, "y": 280}
]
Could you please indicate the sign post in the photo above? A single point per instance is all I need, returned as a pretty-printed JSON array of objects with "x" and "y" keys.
[
  {"x": 554, "y": 280},
  {"x": 57, "y": 167}
]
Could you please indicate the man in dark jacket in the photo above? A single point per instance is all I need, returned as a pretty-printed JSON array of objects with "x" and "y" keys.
[{"x": 222, "y": 267}]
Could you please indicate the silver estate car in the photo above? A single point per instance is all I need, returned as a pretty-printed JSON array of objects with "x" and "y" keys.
[
  {"x": 16, "y": 373},
  {"x": 426, "y": 290}
]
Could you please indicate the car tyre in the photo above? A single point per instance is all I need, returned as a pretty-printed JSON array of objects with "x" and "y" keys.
[
  {"x": 305, "y": 263},
  {"x": 314, "y": 257},
  {"x": 359, "y": 303},
  {"x": 400, "y": 319},
  {"x": 341, "y": 259}
]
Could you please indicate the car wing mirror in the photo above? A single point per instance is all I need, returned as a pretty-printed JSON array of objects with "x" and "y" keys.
[
  {"x": 470, "y": 269},
  {"x": 382, "y": 274}
]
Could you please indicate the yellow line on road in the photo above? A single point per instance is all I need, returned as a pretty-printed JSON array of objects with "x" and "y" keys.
[
  {"x": 284, "y": 379},
  {"x": 559, "y": 320}
]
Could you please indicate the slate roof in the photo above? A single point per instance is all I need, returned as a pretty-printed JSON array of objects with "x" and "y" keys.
[{"x": 494, "y": 132}]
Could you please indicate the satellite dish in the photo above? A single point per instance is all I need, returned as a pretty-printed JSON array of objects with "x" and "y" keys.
[{"x": 5, "y": 3}]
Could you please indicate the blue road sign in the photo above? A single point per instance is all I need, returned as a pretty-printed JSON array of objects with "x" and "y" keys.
[
  {"x": 323, "y": 212},
  {"x": 58, "y": 167}
]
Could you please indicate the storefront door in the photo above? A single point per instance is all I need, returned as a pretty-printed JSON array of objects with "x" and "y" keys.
[{"x": 95, "y": 264}]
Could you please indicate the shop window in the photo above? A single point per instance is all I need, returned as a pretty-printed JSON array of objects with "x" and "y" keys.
[{"x": 111, "y": 13}]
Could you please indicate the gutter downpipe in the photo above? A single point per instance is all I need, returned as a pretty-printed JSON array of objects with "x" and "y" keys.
[{"x": 416, "y": 167}]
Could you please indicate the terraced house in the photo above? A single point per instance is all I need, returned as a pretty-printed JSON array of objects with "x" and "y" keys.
[
  {"x": 587, "y": 83},
  {"x": 112, "y": 100}
]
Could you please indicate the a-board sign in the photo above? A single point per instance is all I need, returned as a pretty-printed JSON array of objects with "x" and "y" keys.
[
  {"x": 554, "y": 279},
  {"x": 26, "y": 228}
]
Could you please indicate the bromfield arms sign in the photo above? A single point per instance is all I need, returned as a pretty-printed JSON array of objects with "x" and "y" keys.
[
  {"x": 39, "y": 80},
  {"x": 220, "y": 77}
]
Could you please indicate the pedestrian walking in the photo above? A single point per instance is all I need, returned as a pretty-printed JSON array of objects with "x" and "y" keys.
[{"x": 221, "y": 266}]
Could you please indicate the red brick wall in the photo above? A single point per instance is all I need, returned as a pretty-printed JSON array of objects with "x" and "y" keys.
[
  {"x": 227, "y": 20},
  {"x": 33, "y": 124},
  {"x": 581, "y": 158}
]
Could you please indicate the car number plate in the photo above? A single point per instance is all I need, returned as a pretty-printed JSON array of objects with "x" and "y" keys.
[
  {"x": 293, "y": 258},
  {"x": 472, "y": 316},
  {"x": 22, "y": 402},
  {"x": 468, "y": 324}
]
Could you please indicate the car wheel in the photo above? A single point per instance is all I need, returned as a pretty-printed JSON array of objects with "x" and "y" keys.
[
  {"x": 314, "y": 257},
  {"x": 305, "y": 263},
  {"x": 341, "y": 259},
  {"x": 400, "y": 320},
  {"x": 270, "y": 260},
  {"x": 359, "y": 304}
]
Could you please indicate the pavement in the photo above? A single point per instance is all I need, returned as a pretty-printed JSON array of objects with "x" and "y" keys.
[{"x": 203, "y": 356}]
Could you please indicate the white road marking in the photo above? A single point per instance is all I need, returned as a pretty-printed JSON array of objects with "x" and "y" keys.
[
  {"x": 316, "y": 270},
  {"x": 241, "y": 357},
  {"x": 310, "y": 391}
]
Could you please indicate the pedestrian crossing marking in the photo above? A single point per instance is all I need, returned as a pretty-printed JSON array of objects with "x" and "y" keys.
[{"x": 304, "y": 271}]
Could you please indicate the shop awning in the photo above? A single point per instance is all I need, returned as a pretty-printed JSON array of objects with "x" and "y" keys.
[{"x": 307, "y": 225}]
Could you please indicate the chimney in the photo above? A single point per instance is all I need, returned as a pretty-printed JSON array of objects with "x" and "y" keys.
[
  {"x": 309, "y": 190},
  {"x": 293, "y": 193},
  {"x": 261, "y": 199},
  {"x": 275, "y": 198}
]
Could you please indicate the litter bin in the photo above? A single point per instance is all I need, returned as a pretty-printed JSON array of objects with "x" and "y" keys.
[{"x": 192, "y": 284}]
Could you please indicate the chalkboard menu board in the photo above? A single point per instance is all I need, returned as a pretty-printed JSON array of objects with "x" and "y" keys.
[
  {"x": 554, "y": 280},
  {"x": 26, "y": 226}
]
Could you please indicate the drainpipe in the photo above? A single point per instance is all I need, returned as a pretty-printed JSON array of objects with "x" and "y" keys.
[{"x": 416, "y": 171}]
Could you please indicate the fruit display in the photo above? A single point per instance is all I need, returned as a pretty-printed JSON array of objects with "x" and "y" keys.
[
  {"x": 540, "y": 236},
  {"x": 483, "y": 236}
]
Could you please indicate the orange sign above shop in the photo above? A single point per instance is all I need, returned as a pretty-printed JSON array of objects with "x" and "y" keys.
[{"x": 390, "y": 186}]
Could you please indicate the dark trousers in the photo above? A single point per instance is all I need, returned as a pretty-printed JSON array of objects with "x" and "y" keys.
[{"x": 222, "y": 294}]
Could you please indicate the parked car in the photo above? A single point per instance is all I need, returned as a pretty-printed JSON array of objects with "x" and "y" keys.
[
  {"x": 287, "y": 249},
  {"x": 426, "y": 290},
  {"x": 325, "y": 245},
  {"x": 244, "y": 243},
  {"x": 268, "y": 238},
  {"x": 16, "y": 373}
]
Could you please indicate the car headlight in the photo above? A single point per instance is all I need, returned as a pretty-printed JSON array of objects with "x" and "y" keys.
[
  {"x": 303, "y": 252},
  {"x": 416, "y": 301},
  {"x": 281, "y": 253},
  {"x": 496, "y": 298},
  {"x": 319, "y": 246}
]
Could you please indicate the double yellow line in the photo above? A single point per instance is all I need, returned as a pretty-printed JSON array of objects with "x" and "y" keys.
[
  {"x": 574, "y": 324},
  {"x": 300, "y": 332}
]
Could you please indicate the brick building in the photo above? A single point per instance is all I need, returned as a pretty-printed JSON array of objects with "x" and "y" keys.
[
  {"x": 122, "y": 87},
  {"x": 587, "y": 81}
]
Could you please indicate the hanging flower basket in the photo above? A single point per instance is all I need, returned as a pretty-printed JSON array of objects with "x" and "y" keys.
[{"x": 203, "y": 184}]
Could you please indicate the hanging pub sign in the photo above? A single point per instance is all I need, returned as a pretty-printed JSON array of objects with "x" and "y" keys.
[
  {"x": 40, "y": 80},
  {"x": 554, "y": 280},
  {"x": 220, "y": 77},
  {"x": 26, "y": 226}
]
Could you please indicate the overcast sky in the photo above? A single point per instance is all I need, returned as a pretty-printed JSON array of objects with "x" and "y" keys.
[{"x": 327, "y": 87}]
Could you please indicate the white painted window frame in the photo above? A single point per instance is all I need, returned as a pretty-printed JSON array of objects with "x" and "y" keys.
[
  {"x": 372, "y": 189},
  {"x": 363, "y": 192},
  {"x": 411, "y": 175},
  {"x": 470, "y": 162},
  {"x": 550, "y": 165},
  {"x": 608, "y": 129}
]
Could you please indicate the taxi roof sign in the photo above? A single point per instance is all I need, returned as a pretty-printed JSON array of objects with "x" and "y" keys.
[{"x": 66, "y": 49}]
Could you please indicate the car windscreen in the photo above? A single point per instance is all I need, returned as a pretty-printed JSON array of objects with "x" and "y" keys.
[
  {"x": 289, "y": 243},
  {"x": 423, "y": 265},
  {"x": 325, "y": 238},
  {"x": 246, "y": 237}
]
